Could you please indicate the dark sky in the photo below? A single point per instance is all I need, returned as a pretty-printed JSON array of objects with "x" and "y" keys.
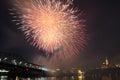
[{"x": 103, "y": 25}]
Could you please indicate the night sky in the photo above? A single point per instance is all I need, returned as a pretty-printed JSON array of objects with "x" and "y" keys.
[{"x": 103, "y": 29}]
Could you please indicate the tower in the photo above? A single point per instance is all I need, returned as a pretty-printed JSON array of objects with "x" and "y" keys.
[{"x": 105, "y": 64}]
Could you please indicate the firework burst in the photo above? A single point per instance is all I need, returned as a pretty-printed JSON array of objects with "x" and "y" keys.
[{"x": 52, "y": 25}]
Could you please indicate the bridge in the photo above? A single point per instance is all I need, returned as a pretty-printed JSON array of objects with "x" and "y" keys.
[{"x": 12, "y": 66}]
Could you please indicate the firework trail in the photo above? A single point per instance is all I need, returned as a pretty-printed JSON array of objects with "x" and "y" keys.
[{"x": 52, "y": 25}]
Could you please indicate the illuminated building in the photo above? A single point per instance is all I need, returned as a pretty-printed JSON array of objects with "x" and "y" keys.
[
  {"x": 105, "y": 64},
  {"x": 103, "y": 74}
]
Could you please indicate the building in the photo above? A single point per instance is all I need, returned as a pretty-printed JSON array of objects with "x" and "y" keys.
[
  {"x": 105, "y": 64},
  {"x": 104, "y": 72}
]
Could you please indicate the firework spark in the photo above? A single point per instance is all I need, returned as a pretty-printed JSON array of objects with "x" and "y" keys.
[{"x": 52, "y": 25}]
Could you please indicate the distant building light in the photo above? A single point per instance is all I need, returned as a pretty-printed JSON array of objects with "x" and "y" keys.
[
  {"x": 20, "y": 62},
  {"x": 33, "y": 66},
  {"x": 40, "y": 68},
  {"x": 117, "y": 65},
  {"x": 26, "y": 64},
  {"x": 79, "y": 71},
  {"x": 4, "y": 71},
  {"x": 3, "y": 77},
  {"x": 58, "y": 69},
  {"x": 30, "y": 65},
  {"x": 14, "y": 62},
  {"x": 37, "y": 67},
  {"x": 44, "y": 69},
  {"x": 53, "y": 71},
  {"x": 5, "y": 58},
  {"x": 80, "y": 74}
]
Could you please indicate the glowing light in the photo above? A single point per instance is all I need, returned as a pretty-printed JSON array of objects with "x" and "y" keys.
[
  {"x": 52, "y": 25},
  {"x": 6, "y": 71}
]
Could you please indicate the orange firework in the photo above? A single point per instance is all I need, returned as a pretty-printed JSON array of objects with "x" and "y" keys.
[{"x": 52, "y": 25}]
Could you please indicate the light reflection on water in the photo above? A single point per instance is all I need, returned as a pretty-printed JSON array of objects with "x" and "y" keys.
[
  {"x": 55, "y": 78},
  {"x": 42, "y": 78}
]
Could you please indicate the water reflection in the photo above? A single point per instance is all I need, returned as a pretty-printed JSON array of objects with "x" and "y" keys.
[
  {"x": 53, "y": 78},
  {"x": 43, "y": 78}
]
